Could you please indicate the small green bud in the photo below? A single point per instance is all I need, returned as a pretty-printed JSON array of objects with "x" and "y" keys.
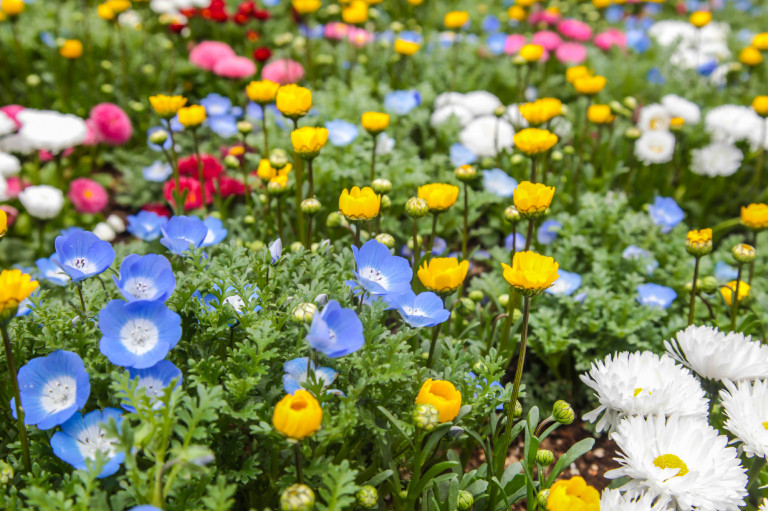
[
  {"x": 381, "y": 186},
  {"x": 6, "y": 472},
  {"x": 518, "y": 409},
  {"x": 545, "y": 457},
  {"x": 466, "y": 173},
  {"x": 419, "y": 241},
  {"x": 215, "y": 214},
  {"x": 569, "y": 149},
  {"x": 416, "y": 208},
  {"x": 632, "y": 133},
  {"x": 386, "y": 202},
  {"x": 106, "y": 65},
  {"x": 403, "y": 494},
  {"x": 708, "y": 284},
  {"x": 557, "y": 156},
  {"x": 304, "y": 312},
  {"x": 511, "y": 215},
  {"x": 33, "y": 80},
  {"x": 256, "y": 245},
  {"x": 542, "y": 498},
  {"x": 367, "y": 497},
  {"x": 743, "y": 253},
  {"x": 504, "y": 300},
  {"x": 249, "y": 219},
  {"x": 310, "y": 206},
  {"x": 386, "y": 239},
  {"x": 107, "y": 88},
  {"x": 499, "y": 111},
  {"x": 465, "y": 501},
  {"x": 278, "y": 158},
  {"x": 244, "y": 127},
  {"x": 476, "y": 296},
  {"x": 562, "y": 412},
  {"x": 334, "y": 219},
  {"x": 466, "y": 306},
  {"x": 158, "y": 137},
  {"x": 296, "y": 246},
  {"x": 517, "y": 159},
  {"x": 426, "y": 416},
  {"x": 297, "y": 497},
  {"x": 630, "y": 102},
  {"x": 519, "y": 61},
  {"x": 230, "y": 160}
]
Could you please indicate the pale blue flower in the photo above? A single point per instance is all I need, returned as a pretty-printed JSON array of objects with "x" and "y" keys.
[
  {"x": 341, "y": 133},
  {"x": 81, "y": 437},
  {"x": 665, "y": 213},
  {"x": 157, "y": 172},
  {"x": 548, "y": 231},
  {"x": 565, "y": 284},
  {"x": 401, "y": 102},
  {"x": 654, "y": 295},
  {"x": 499, "y": 183}
]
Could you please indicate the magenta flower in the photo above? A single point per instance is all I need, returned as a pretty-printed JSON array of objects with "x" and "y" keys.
[
  {"x": 543, "y": 16},
  {"x": 87, "y": 195},
  {"x": 235, "y": 67},
  {"x": 571, "y": 53},
  {"x": 283, "y": 71},
  {"x": 575, "y": 29},
  {"x": 610, "y": 38},
  {"x": 548, "y": 39},
  {"x": 206, "y": 54},
  {"x": 111, "y": 124},
  {"x": 514, "y": 43},
  {"x": 335, "y": 31}
]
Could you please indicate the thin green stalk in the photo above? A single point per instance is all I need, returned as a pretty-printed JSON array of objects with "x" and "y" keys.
[
  {"x": 82, "y": 300},
  {"x": 752, "y": 264},
  {"x": 298, "y": 163},
  {"x": 529, "y": 235},
  {"x": 523, "y": 343},
  {"x": 428, "y": 248},
  {"x": 735, "y": 299},
  {"x": 692, "y": 307},
  {"x": 533, "y": 169},
  {"x": 279, "y": 216},
  {"x": 466, "y": 221},
  {"x": 357, "y": 233},
  {"x": 435, "y": 333},
  {"x": 512, "y": 300},
  {"x": 373, "y": 158},
  {"x": 12, "y": 375},
  {"x": 297, "y": 458},
  {"x": 264, "y": 130},
  {"x": 310, "y": 178},
  {"x": 416, "y": 246}
]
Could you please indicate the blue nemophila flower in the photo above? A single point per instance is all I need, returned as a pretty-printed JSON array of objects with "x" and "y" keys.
[
  {"x": 216, "y": 232},
  {"x": 69, "y": 231},
  {"x": 341, "y": 133},
  {"x": 50, "y": 271},
  {"x": 423, "y": 310},
  {"x": 138, "y": 334},
  {"x": 654, "y": 295},
  {"x": 461, "y": 155},
  {"x": 665, "y": 213},
  {"x": 157, "y": 172},
  {"x": 402, "y": 102},
  {"x": 211, "y": 301},
  {"x": 491, "y": 23},
  {"x": 566, "y": 283},
  {"x": 635, "y": 253},
  {"x": 181, "y": 232},
  {"x": 379, "y": 272},
  {"x": 724, "y": 272},
  {"x": 516, "y": 241},
  {"x": 276, "y": 250},
  {"x": 148, "y": 507},
  {"x": 296, "y": 375},
  {"x": 439, "y": 246},
  {"x": 81, "y": 437},
  {"x": 499, "y": 183},
  {"x": 148, "y": 277},
  {"x": 146, "y": 225},
  {"x": 216, "y": 104},
  {"x": 548, "y": 231},
  {"x": 336, "y": 331},
  {"x": 52, "y": 388},
  {"x": 154, "y": 380},
  {"x": 82, "y": 255},
  {"x": 496, "y": 43},
  {"x": 224, "y": 126}
]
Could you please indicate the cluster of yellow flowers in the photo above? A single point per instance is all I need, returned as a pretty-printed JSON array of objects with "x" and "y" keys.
[
  {"x": 541, "y": 111},
  {"x": 584, "y": 81}
]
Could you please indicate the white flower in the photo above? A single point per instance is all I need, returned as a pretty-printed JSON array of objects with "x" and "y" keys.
[
  {"x": 653, "y": 117},
  {"x": 642, "y": 384},
  {"x": 718, "y": 159},
  {"x": 480, "y": 103},
  {"x": 486, "y": 136},
  {"x": 9, "y": 165},
  {"x": 515, "y": 117},
  {"x": 719, "y": 356},
  {"x": 655, "y": 147},
  {"x": 746, "y": 405},
  {"x": 6, "y": 124},
  {"x": 614, "y": 500},
  {"x": 3, "y": 189},
  {"x": 385, "y": 144},
  {"x": 116, "y": 223},
  {"x": 51, "y": 131},
  {"x": 561, "y": 127},
  {"x": 669, "y": 32},
  {"x": 764, "y": 505},
  {"x": 448, "y": 98},
  {"x": 680, "y": 461},
  {"x": 681, "y": 107},
  {"x": 104, "y": 231},
  {"x": 43, "y": 201},
  {"x": 732, "y": 123},
  {"x": 445, "y": 113}
]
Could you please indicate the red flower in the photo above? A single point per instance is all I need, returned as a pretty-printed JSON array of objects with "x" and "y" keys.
[
  {"x": 262, "y": 54},
  {"x": 211, "y": 166},
  {"x": 252, "y": 36},
  {"x": 156, "y": 208},
  {"x": 240, "y": 18},
  {"x": 177, "y": 27},
  {"x": 188, "y": 13},
  {"x": 246, "y": 7},
  {"x": 262, "y": 14},
  {"x": 194, "y": 198},
  {"x": 228, "y": 185}
]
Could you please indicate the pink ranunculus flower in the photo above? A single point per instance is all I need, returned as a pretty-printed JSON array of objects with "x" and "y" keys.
[
  {"x": 513, "y": 43},
  {"x": 92, "y": 133},
  {"x": 206, "y": 54},
  {"x": 548, "y": 39},
  {"x": 110, "y": 123},
  {"x": 87, "y": 195},
  {"x": 610, "y": 38},
  {"x": 283, "y": 71},
  {"x": 543, "y": 16},
  {"x": 46, "y": 156},
  {"x": 571, "y": 53},
  {"x": 12, "y": 111},
  {"x": 15, "y": 186},
  {"x": 235, "y": 67},
  {"x": 336, "y": 31},
  {"x": 359, "y": 37},
  {"x": 575, "y": 29}
]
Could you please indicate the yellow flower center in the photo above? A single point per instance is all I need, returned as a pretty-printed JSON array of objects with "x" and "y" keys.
[
  {"x": 638, "y": 391},
  {"x": 671, "y": 461},
  {"x": 765, "y": 425}
]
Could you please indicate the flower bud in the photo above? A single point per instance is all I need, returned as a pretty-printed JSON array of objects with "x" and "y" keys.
[
  {"x": 277, "y": 187},
  {"x": 381, "y": 186},
  {"x": 426, "y": 416},
  {"x": 499, "y": 111},
  {"x": 296, "y": 246},
  {"x": 419, "y": 241},
  {"x": 278, "y": 158},
  {"x": 542, "y": 498},
  {"x": 158, "y": 137},
  {"x": 334, "y": 220},
  {"x": 632, "y": 133},
  {"x": 310, "y": 206},
  {"x": 544, "y": 457},
  {"x": 708, "y": 284},
  {"x": 6, "y": 472},
  {"x": 249, "y": 219},
  {"x": 297, "y": 497},
  {"x": 244, "y": 127},
  {"x": 569, "y": 149},
  {"x": 743, "y": 253},
  {"x": 556, "y": 156},
  {"x": 476, "y": 296},
  {"x": 518, "y": 409},
  {"x": 487, "y": 163},
  {"x": 699, "y": 242},
  {"x": 466, "y": 306},
  {"x": 403, "y": 494},
  {"x": 466, "y": 173},
  {"x": 367, "y": 497},
  {"x": 630, "y": 102},
  {"x": 503, "y": 300},
  {"x": 416, "y": 208},
  {"x": 230, "y": 160},
  {"x": 517, "y": 159},
  {"x": 33, "y": 80},
  {"x": 562, "y": 412},
  {"x": 386, "y": 239},
  {"x": 465, "y": 501},
  {"x": 512, "y": 215},
  {"x": 386, "y": 202}
]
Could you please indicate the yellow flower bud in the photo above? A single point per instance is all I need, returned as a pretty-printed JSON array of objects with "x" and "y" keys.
[
  {"x": 308, "y": 141},
  {"x": 297, "y": 416},
  {"x": 600, "y": 114},
  {"x": 293, "y": 101},
  {"x": 532, "y": 52},
  {"x": 456, "y": 19},
  {"x": 359, "y": 204},
  {"x": 3, "y": 223},
  {"x": 375, "y": 122},
  {"x": 760, "y": 41},
  {"x": 700, "y": 18},
  {"x": 443, "y": 396},
  {"x": 71, "y": 49},
  {"x": 699, "y": 243},
  {"x": 443, "y": 274},
  {"x": 262, "y": 91},
  {"x": 192, "y": 116},
  {"x": 406, "y": 48}
]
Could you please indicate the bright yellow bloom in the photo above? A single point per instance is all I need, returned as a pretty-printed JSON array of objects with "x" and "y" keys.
[
  {"x": 760, "y": 41},
  {"x": 573, "y": 495},
  {"x": 699, "y": 242},
  {"x": 3, "y": 223},
  {"x": 359, "y": 204},
  {"x": 14, "y": 287},
  {"x": 589, "y": 84},
  {"x": 439, "y": 196},
  {"x": 601, "y": 4},
  {"x": 443, "y": 396},
  {"x": 700, "y": 18},
  {"x": 191, "y": 116},
  {"x": 167, "y": 106},
  {"x": 415, "y": 2},
  {"x": 297, "y": 416},
  {"x": 750, "y": 56},
  {"x": 406, "y": 48},
  {"x": 532, "y": 199},
  {"x": 531, "y": 272},
  {"x": 293, "y": 100},
  {"x": 516, "y": 13},
  {"x": 118, "y": 6},
  {"x": 541, "y": 110},
  {"x": 728, "y": 289},
  {"x": 755, "y": 216},
  {"x": 534, "y": 141},
  {"x": 71, "y": 49},
  {"x": 12, "y": 7},
  {"x": 105, "y": 12},
  {"x": 355, "y": 13},
  {"x": 308, "y": 141},
  {"x": 532, "y": 52},
  {"x": 525, "y": 3},
  {"x": 574, "y": 73},
  {"x": 760, "y": 104},
  {"x": 456, "y": 19},
  {"x": 266, "y": 171},
  {"x": 306, "y": 6},
  {"x": 262, "y": 91},
  {"x": 278, "y": 185},
  {"x": 443, "y": 274},
  {"x": 375, "y": 122},
  {"x": 600, "y": 114},
  {"x": 675, "y": 123}
]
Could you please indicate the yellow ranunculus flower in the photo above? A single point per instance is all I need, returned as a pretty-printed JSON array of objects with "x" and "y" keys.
[
  {"x": 675, "y": 123},
  {"x": 541, "y": 110},
  {"x": 266, "y": 171},
  {"x": 278, "y": 185},
  {"x": 71, "y": 49},
  {"x": 406, "y": 48},
  {"x": 532, "y": 52},
  {"x": 589, "y": 85},
  {"x": 525, "y": 3},
  {"x": 755, "y": 216},
  {"x": 573, "y": 495},
  {"x": 760, "y": 41},
  {"x": 516, "y": 13},
  {"x": 118, "y": 6},
  {"x": 532, "y": 199},
  {"x": 728, "y": 289},
  {"x": 600, "y": 114},
  {"x": 456, "y": 19},
  {"x": 167, "y": 106},
  {"x": 601, "y": 4},
  {"x": 359, "y": 204},
  {"x": 442, "y": 395},
  {"x": 105, "y": 12},
  {"x": 12, "y": 7},
  {"x": 308, "y": 141},
  {"x": 439, "y": 196},
  {"x": 700, "y": 18},
  {"x": 3, "y": 223},
  {"x": 750, "y": 56},
  {"x": 293, "y": 101},
  {"x": 298, "y": 416},
  {"x": 760, "y": 104},
  {"x": 355, "y": 13},
  {"x": 443, "y": 274},
  {"x": 574, "y": 73},
  {"x": 531, "y": 272},
  {"x": 262, "y": 91},
  {"x": 699, "y": 242},
  {"x": 375, "y": 122},
  {"x": 534, "y": 141},
  {"x": 15, "y": 286},
  {"x": 191, "y": 116},
  {"x": 306, "y": 6}
]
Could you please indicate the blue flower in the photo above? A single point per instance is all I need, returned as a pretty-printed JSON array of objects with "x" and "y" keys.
[
  {"x": 148, "y": 277},
  {"x": 182, "y": 231},
  {"x": 52, "y": 388},
  {"x": 655, "y": 77},
  {"x": 276, "y": 250},
  {"x": 665, "y": 213},
  {"x": 223, "y": 125},
  {"x": 158, "y": 172},
  {"x": 379, "y": 272},
  {"x": 336, "y": 331},
  {"x": 402, "y": 101},
  {"x": 654, "y": 295},
  {"x": 69, "y": 231},
  {"x": 211, "y": 301},
  {"x": 614, "y": 13},
  {"x": 341, "y": 133},
  {"x": 635, "y": 253},
  {"x": 410, "y": 35},
  {"x": 216, "y": 232},
  {"x": 548, "y": 231},
  {"x": 491, "y": 23},
  {"x": 253, "y": 111},
  {"x": 153, "y": 508},
  {"x": 461, "y": 155},
  {"x": 423, "y": 310},
  {"x": 154, "y": 380},
  {"x": 51, "y": 272},
  {"x": 496, "y": 43},
  {"x": 519, "y": 242},
  {"x": 499, "y": 183},
  {"x": 439, "y": 246},
  {"x": 155, "y": 147},
  {"x": 638, "y": 40},
  {"x": 296, "y": 376},
  {"x": 566, "y": 283},
  {"x": 138, "y": 334},
  {"x": 724, "y": 272},
  {"x": 271, "y": 3},
  {"x": 146, "y": 225},
  {"x": 216, "y": 104},
  {"x": 48, "y": 39},
  {"x": 707, "y": 68},
  {"x": 82, "y": 255},
  {"x": 81, "y": 437}
]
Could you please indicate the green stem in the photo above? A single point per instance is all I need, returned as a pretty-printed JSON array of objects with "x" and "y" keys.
[
  {"x": 466, "y": 222},
  {"x": 752, "y": 264},
  {"x": 310, "y": 178},
  {"x": 533, "y": 169},
  {"x": 373, "y": 159},
  {"x": 280, "y": 217},
  {"x": 264, "y": 130},
  {"x": 521, "y": 357},
  {"x": 416, "y": 246},
  {"x": 82, "y": 300},
  {"x": 297, "y": 458},
  {"x": 504, "y": 341},
  {"x": 357, "y": 233},
  {"x": 692, "y": 307},
  {"x": 12, "y": 375},
  {"x": 735, "y": 299},
  {"x": 529, "y": 234},
  {"x": 435, "y": 333},
  {"x": 299, "y": 164}
]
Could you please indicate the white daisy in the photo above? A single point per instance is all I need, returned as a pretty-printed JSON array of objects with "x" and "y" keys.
[
  {"x": 655, "y": 147},
  {"x": 51, "y": 131},
  {"x": 104, "y": 231},
  {"x": 733, "y": 123},
  {"x": 746, "y": 405},
  {"x": 448, "y": 98},
  {"x": 642, "y": 384},
  {"x": 680, "y": 461},
  {"x": 719, "y": 356},
  {"x": 43, "y": 201},
  {"x": 614, "y": 500},
  {"x": 486, "y": 136},
  {"x": 681, "y": 107},
  {"x": 9, "y": 165},
  {"x": 6, "y": 124},
  {"x": 445, "y": 113},
  {"x": 653, "y": 117},
  {"x": 480, "y": 103},
  {"x": 764, "y": 505},
  {"x": 718, "y": 159},
  {"x": 515, "y": 117}
]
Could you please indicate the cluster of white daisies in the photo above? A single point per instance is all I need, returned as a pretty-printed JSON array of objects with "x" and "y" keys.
[{"x": 658, "y": 414}]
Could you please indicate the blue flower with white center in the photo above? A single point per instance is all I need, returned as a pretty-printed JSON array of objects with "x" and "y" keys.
[
  {"x": 276, "y": 250},
  {"x": 81, "y": 437},
  {"x": 156, "y": 147},
  {"x": 423, "y": 310},
  {"x": 514, "y": 241},
  {"x": 181, "y": 232},
  {"x": 157, "y": 172},
  {"x": 211, "y": 301},
  {"x": 216, "y": 232},
  {"x": 138, "y": 334},
  {"x": 494, "y": 386},
  {"x": 665, "y": 213},
  {"x": 146, "y": 225},
  {"x": 224, "y": 126},
  {"x": 154, "y": 380},
  {"x": 82, "y": 255},
  {"x": 635, "y": 253},
  {"x": 496, "y": 43},
  {"x": 341, "y": 133},
  {"x": 379, "y": 272},
  {"x": 253, "y": 111},
  {"x": 402, "y": 102},
  {"x": 216, "y": 104},
  {"x": 548, "y": 231},
  {"x": 724, "y": 272},
  {"x": 296, "y": 376},
  {"x": 654, "y": 295},
  {"x": 461, "y": 155},
  {"x": 148, "y": 277},
  {"x": 50, "y": 271},
  {"x": 52, "y": 388},
  {"x": 499, "y": 183},
  {"x": 566, "y": 283},
  {"x": 336, "y": 331}
]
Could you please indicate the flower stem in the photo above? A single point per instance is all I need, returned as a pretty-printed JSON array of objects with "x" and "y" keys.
[
  {"x": 357, "y": 233},
  {"x": 529, "y": 235},
  {"x": 373, "y": 159},
  {"x": 264, "y": 130},
  {"x": 428, "y": 248},
  {"x": 752, "y": 264},
  {"x": 533, "y": 169},
  {"x": 200, "y": 176},
  {"x": 279, "y": 217},
  {"x": 82, "y": 300},
  {"x": 17, "y": 398},
  {"x": 693, "y": 291},
  {"x": 466, "y": 221},
  {"x": 735, "y": 299},
  {"x": 416, "y": 247},
  {"x": 521, "y": 357},
  {"x": 512, "y": 300},
  {"x": 298, "y": 163},
  {"x": 435, "y": 333},
  {"x": 297, "y": 458}
]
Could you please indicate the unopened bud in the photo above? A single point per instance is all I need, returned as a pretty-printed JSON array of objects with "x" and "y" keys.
[
  {"x": 386, "y": 239},
  {"x": 511, "y": 215},
  {"x": 381, "y": 186},
  {"x": 632, "y": 133},
  {"x": 231, "y": 161},
  {"x": 244, "y": 127},
  {"x": 297, "y": 497},
  {"x": 334, "y": 219},
  {"x": 517, "y": 159},
  {"x": 465, "y": 501},
  {"x": 476, "y": 296},
  {"x": 426, "y": 416},
  {"x": 278, "y": 158},
  {"x": 277, "y": 187},
  {"x": 630, "y": 102},
  {"x": 518, "y": 409},
  {"x": 542, "y": 498},
  {"x": 562, "y": 412},
  {"x": 466, "y": 173},
  {"x": 6, "y": 472},
  {"x": 544, "y": 457},
  {"x": 708, "y": 284},
  {"x": 699, "y": 242},
  {"x": 367, "y": 497},
  {"x": 386, "y": 202},
  {"x": 416, "y": 208},
  {"x": 499, "y": 111},
  {"x": 310, "y": 206},
  {"x": 743, "y": 253},
  {"x": 557, "y": 156},
  {"x": 158, "y": 137},
  {"x": 466, "y": 305}
]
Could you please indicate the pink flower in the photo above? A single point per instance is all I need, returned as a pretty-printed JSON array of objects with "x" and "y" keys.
[
  {"x": 283, "y": 71},
  {"x": 87, "y": 195},
  {"x": 575, "y": 29},
  {"x": 206, "y": 54},
  {"x": 514, "y": 43},
  {"x": 46, "y": 156},
  {"x": 359, "y": 36},
  {"x": 548, "y": 39},
  {"x": 110, "y": 124},
  {"x": 571, "y": 53},
  {"x": 12, "y": 111},
  {"x": 335, "y": 31},
  {"x": 543, "y": 16},
  {"x": 92, "y": 135},
  {"x": 235, "y": 67},
  {"x": 610, "y": 38},
  {"x": 15, "y": 186}
]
